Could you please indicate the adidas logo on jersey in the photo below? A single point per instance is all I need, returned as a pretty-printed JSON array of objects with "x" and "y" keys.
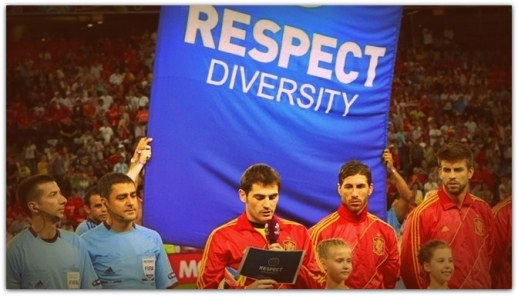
[
  {"x": 109, "y": 271},
  {"x": 445, "y": 229}
]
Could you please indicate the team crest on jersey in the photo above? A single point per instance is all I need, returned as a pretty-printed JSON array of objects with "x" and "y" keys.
[
  {"x": 480, "y": 229},
  {"x": 289, "y": 245},
  {"x": 378, "y": 246}
]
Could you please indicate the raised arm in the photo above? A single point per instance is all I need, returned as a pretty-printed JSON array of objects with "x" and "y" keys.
[
  {"x": 405, "y": 194},
  {"x": 139, "y": 159}
]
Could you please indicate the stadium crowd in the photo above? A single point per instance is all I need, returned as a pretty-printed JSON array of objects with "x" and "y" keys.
[
  {"x": 77, "y": 107},
  {"x": 74, "y": 112}
]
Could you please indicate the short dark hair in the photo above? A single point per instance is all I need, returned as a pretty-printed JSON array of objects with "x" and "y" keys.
[
  {"x": 354, "y": 167},
  {"x": 455, "y": 152},
  {"x": 88, "y": 195},
  {"x": 28, "y": 190},
  {"x": 104, "y": 186},
  {"x": 426, "y": 251},
  {"x": 259, "y": 173}
]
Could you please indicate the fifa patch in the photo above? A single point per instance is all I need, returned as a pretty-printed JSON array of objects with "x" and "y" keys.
[
  {"x": 73, "y": 280},
  {"x": 378, "y": 246},
  {"x": 148, "y": 266}
]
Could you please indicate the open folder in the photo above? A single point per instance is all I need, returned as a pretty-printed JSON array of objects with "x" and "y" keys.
[{"x": 282, "y": 266}]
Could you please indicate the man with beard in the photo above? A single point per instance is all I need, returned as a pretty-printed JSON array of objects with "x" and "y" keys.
[
  {"x": 455, "y": 216},
  {"x": 373, "y": 242},
  {"x": 95, "y": 209},
  {"x": 126, "y": 255}
]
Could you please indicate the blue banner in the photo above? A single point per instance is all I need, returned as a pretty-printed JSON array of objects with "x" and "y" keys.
[{"x": 303, "y": 89}]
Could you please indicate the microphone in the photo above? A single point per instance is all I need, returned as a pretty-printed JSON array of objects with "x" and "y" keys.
[{"x": 272, "y": 231}]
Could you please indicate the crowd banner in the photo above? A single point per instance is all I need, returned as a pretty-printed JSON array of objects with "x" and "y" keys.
[{"x": 301, "y": 88}]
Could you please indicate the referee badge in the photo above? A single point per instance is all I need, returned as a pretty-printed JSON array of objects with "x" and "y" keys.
[
  {"x": 73, "y": 280},
  {"x": 148, "y": 265}
]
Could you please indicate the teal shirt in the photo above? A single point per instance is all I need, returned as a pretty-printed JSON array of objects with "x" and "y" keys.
[
  {"x": 84, "y": 226},
  {"x": 33, "y": 263},
  {"x": 134, "y": 259},
  {"x": 393, "y": 221}
]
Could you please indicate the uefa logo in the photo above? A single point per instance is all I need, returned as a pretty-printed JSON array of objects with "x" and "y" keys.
[{"x": 274, "y": 261}]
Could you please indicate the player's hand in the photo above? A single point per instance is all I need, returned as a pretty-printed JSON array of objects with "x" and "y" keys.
[
  {"x": 262, "y": 284},
  {"x": 275, "y": 247}
]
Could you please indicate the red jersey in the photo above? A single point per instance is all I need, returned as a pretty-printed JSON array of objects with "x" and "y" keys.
[
  {"x": 226, "y": 246},
  {"x": 467, "y": 229},
  {"x": 373, "y": 243},
  {"x": 502, "y": 265}
]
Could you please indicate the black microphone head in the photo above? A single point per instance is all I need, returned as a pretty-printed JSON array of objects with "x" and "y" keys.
[{"x": 272, "y": 230}]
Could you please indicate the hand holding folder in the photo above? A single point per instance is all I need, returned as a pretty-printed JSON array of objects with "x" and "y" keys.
[{"x": 281, "y": 266}]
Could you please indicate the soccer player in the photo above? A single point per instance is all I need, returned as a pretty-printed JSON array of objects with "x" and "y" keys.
[
  {"x": 259, "y": 192},
  {"x": 373, "y": 242},
  {"x": 454, "y": 215}
]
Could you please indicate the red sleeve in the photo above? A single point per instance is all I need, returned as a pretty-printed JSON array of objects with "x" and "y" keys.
[
  {"x": 212, "y": 264},
  {"x": 492, "y": 237},
  {"x": 501, "y": 267},
  {"x": 310, "y": 276},
  {"x": 410, "y": 267},
  {"x": 311, "y": 281},
  {"x": 391, "y": 268}
]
